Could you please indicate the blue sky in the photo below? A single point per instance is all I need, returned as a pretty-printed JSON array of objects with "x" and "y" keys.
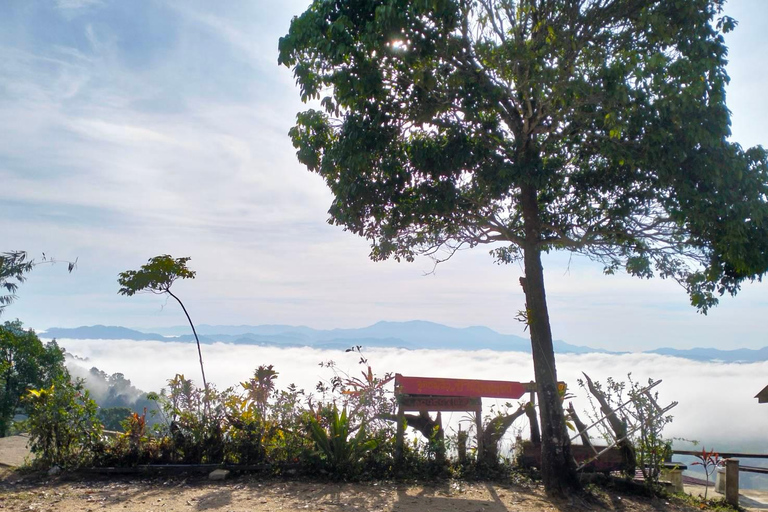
[{"x": 131, "y": 129}]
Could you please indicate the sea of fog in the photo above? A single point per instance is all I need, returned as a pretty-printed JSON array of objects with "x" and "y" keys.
[{"x": 716, "y": 404}]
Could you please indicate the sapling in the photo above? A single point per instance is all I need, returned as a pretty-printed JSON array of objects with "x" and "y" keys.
[{"x": 156, "y": 277}]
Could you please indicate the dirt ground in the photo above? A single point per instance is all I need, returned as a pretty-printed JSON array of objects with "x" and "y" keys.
[
  {"x": 248, "y": 493},
  {"x": 69, "y": 493}
]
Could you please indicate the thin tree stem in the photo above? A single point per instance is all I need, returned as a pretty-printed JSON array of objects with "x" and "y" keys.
[{"x": 199, "y": 351}]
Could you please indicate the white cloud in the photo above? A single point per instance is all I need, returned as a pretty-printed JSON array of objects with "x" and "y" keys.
[{"x": 77, "y": 4}]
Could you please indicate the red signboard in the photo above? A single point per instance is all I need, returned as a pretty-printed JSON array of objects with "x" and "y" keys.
[{"x": 459, "y": 387}]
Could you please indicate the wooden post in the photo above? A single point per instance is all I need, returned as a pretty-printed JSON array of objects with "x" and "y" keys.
[
  {"x": 400, "y": 436},
  {"x": 462, "y": 446},
  {"x": 732, "y": 481},
  {"x": 479, "y": 425}
]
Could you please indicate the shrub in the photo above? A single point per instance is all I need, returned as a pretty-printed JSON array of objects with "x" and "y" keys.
[
  {"x": 63, "y": 425},
  {"x": 340, "y": 450}
]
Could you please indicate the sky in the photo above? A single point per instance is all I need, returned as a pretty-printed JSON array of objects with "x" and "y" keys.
[{"x": 133, "y": 129}]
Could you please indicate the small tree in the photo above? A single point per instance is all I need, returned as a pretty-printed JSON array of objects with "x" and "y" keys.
[
  {"x": 157, "y": 277},
  {"x": 710, "y": 461}
]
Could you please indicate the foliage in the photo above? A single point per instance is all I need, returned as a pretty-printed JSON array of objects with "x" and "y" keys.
[
  {"x": 438, "y": 114},
  {"x": 261, "y": 386},
  {"x": 651, "y": 448},
  {"x": 25, "y": 362},
  {"x": 112, "y": 418},
  {"x": 253, "y": 424},
  {"x": 712, "y": 504},
  {"x": 13, "y": 266},
  {"x": 157, "y": 276},
  {"x": 63, "y": 426},
  {"x": 340, "y": 449},
  {"x": 709, "y": 460},
  {"x": 594, "y": 127},
  {"x": 196, "y": 419},
  {"x": 367, "y": 396}
]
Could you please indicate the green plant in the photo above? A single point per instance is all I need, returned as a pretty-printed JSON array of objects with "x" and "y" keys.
[
  {"x": 25, "y": 362},
  {"x": 367, "y": 397},
  {"x": 113, "y": 417},
  {"x": 63, "y": 425},
  {"x": 196, "y": 420},
  {"x": 261, "y": 387},
  {"x": 709, "y": 460},
  {"x": 341, "y": 450},
  {"x": 711, "y": 504}
]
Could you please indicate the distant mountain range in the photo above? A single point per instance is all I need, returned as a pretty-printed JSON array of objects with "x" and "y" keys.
[
  {"x": 409, "y": 335},
  {"x": 739, "y": 355}
]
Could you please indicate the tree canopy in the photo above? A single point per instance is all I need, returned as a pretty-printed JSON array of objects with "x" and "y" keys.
[
  {"x": 157, "y": 276},
  {"x": 593, "y": 126},
  {"x": 436, "y": 113}
]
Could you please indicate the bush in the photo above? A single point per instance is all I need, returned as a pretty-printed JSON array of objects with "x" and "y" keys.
[
  {"x": 62, "y": 424},
  {"x": 340, "y": 448}
]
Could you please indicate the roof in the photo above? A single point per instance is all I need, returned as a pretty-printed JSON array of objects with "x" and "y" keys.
[{"x": 762, "y": 397}]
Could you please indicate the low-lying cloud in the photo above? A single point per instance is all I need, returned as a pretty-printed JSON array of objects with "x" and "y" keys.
[{"x": 716, "y": 404}]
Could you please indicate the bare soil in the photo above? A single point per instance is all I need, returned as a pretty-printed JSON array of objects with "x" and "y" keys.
[{"x": 69, "y": 493}]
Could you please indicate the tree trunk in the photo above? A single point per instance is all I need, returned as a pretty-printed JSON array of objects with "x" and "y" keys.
[
  {"x": 618, "y": 426},
  {"x": 580, "y": 426},
  {"x": 558, "y": 469},
  {"x": 431, "y": 429},
  {"x": 493, "y": 433},
  {"x": 533, "y": 423}
]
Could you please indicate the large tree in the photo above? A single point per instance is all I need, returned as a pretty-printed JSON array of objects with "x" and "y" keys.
[{"x": 593, "y": 126}]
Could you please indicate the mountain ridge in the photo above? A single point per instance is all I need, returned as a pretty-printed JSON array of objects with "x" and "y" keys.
[
  {"x": 416, "y": 334},
  {"x": 411, "y": 335}
]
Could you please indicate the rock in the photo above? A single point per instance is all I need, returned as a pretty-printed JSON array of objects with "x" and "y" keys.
[
  {"x": 218, "y": 474},
  {"x": 55, "y": 470}
]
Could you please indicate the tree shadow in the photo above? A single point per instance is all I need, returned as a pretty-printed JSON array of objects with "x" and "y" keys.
[
  {"x": 215, "y": 499},
  {"x": 447, "y": 497}
]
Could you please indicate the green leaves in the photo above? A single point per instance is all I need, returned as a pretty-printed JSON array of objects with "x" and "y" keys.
[
  {"x": 24, "y": 362},
  {"x": 63, "y": 426},
  {"x": 156, "y": 276},
  {"x": 614, "y": 112},
  {"x": 342, "y": 452}
]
